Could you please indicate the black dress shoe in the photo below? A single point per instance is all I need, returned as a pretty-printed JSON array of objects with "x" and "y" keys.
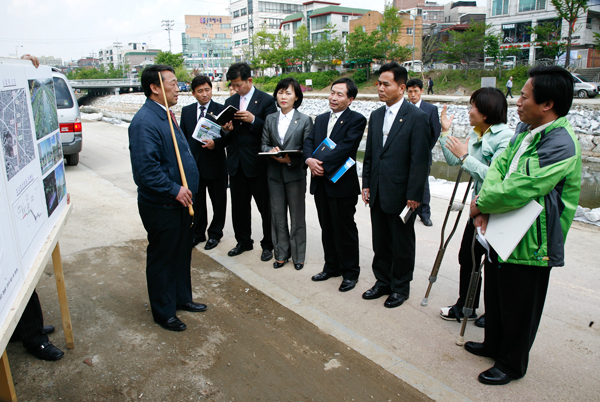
[
  {"x": 193, "y": 307},
  {"x": 278, "y": 264},
  {"x": 395, "y": 300},
  {"x": 239, "y": 249},
  {"x": 376, "y": 292},
  {"x": 493, "y": 376},
  {"x": 347, "y": 284},
  {"x": 323, "y": 276},
  {"x": 427, "y": 222},
  {"x": 480, "y": 322},
  {"x": 299, "y": 266},
  {"x": 172, "y": 324},
  {"x": 47, "y": 351},
  {"x": 266, "y": 255},
  {"x": 478, "y": 349},
  {"x": 211, "y": 243}
]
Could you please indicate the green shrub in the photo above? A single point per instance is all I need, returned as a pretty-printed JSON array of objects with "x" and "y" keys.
[
  {"x": 360, "y": 76},
  {"x": 320, "y": 80}
]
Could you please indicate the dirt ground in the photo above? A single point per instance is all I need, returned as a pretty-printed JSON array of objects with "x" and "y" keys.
[{"x": 246, "y": 347}]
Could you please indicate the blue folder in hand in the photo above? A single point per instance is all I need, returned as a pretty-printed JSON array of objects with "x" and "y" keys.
[{"x": 325, "y": 149}]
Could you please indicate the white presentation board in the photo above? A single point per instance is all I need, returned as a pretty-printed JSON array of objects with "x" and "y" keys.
[{"x": 32, "y": 174}]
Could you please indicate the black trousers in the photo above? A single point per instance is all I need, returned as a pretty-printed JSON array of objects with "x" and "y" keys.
[
  {"x": 394, "y": 249},
  {"x": 466, "y": 265},
  {"x": 31, "y": 325},
  {"x": 514, "y": 300},
  {"x": 424, "y": 210},
  {"x": 243, "y": 189},
  {"x": 339, "y": 234},
  {"x": 509, "y": 92},
  {"x": 217, "y": 190},
  {"x": 430, "y": 90},
  {"x": 168, "y": 260}
]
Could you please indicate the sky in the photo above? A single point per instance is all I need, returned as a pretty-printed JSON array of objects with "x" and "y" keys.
[{"x": 72, "y": 29}]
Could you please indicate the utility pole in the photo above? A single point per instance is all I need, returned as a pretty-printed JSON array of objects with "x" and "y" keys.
[
  {"x": 118, "y": 44},
  {"x": 168, "y": 24}
]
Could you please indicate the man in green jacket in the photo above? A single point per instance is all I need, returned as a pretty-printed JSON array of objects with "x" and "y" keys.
[{"x": 541, "y": 163}]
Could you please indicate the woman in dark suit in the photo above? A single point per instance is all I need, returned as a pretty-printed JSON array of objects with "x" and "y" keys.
[{"x": 286, "y": 130}]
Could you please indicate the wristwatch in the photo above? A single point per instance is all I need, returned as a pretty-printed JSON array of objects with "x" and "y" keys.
[{"x": 462, "y": 158}]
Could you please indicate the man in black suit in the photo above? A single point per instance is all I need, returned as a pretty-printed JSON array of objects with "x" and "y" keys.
[
  {"x": 394, "y": 174},
  {"x": 414, "y": 90},
  {"x": 211, "y": 162},
  {"x": 247, "y": 170},
  {"x": 336, "y": 202}
]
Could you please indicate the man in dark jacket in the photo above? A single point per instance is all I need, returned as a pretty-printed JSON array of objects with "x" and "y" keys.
[
  {"x": 163, "y": 201},
  {"x": 414, "y": 90},
  {"x": 248, "y": 170},
  {"x": 336, "y": 202},
  {"x": 211, "y": 163}
]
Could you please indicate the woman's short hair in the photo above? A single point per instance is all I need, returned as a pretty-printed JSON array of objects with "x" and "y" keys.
[
  {"x": 491, "y": 103},
  {"x": 284, "y": 84}
]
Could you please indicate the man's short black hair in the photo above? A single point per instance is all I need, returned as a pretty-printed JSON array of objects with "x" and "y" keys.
[
  {"x": 241, "y": 70},
  {"x": 415, "y": 82},
  {"x": 284, "y": 84},
  {"x": 400, "y": 73},
  {"x": 150, "y": 76},
  {"x": 352, "y": 89},
  {"x": 553, "y": 83},
  {"x": 491, "y": 103},
  {"x": 200, "y": 80}
]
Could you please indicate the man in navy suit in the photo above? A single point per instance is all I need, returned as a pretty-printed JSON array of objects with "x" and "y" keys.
[
  {"x": 336, "y": 202},
  {"x": 414, "y": 90},
  {"x": 394, "y": 174},
  {"x": 163, "y": 201},
  {"x": 248, "y": 170},
  {"x": 211, "y": 163}
]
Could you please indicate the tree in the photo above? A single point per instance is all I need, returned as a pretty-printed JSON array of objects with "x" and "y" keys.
[
  {"x": 330, "y": 47},
  {"x": 547, "y": 36},
  {"x": 597, "y": 41},
  {"x": 430, "y": 45},
  {"x": 569, "y": 10},
  {"x": 389, "y": 34},
  {"x": 303, "y": 49},
  {"x": 279, "y": 55},
  {"x": 362, "y": 47},
  {"x": 468, "y": 45},
  {"x": 170, "y": 59}
]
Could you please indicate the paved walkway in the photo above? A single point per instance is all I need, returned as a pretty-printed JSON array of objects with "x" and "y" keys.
[{"x": 411, "y": 341}]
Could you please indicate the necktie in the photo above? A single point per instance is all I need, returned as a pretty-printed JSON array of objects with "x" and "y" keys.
[
  {"x": 331, "y": 123},
  {"x": 202, "y": 109},
  {"x": 242, "y": 103},
  {"x": 387, "y": 124},
  {"x": 174, "y": 119}
]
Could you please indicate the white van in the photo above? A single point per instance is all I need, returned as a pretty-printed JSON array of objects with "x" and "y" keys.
[
  {"x": 69, "y": 120},
  {"x": 413, "y": 65}
]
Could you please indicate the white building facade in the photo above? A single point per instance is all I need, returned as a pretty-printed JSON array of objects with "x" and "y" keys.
[
  {"x": 115, "y": 54},
  {"x": 513, "y": 18}
]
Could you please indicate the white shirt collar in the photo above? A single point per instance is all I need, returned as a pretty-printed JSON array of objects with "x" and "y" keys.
[
  {"x": 338, "y": 114},
  {"x": 205, "y": 106},
  {"x": 248, "y": 96},
  {"x": 160, "y": 104},
  {"x": 542, "y": 127},
  {"x": 418, "y": 104},
  {"x": 286, "y": 116},
  {"x": 395, "y": 107}
]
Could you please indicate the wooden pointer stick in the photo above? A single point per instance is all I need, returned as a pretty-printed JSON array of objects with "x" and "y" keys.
[{"x": 181, "y": 171}]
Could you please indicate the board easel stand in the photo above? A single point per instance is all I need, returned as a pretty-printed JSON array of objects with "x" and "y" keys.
[{"x": 50, "y": 248}]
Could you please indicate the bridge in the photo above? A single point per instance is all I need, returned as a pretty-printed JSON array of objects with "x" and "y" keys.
[{"x": 108, "y": 86}]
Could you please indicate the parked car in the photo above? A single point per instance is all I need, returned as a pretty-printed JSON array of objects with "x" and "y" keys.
[
  {"x": 584, "y": 87},
  {"x": 183, "y": 87},
  {"x": 69, "y": 119}
]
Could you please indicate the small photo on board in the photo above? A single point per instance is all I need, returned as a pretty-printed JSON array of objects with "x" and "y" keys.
[
  {"x": 50, "y": 190},
  {"x": 43, "y": 103},
  {"x": 50, "y": 151},
  {"x": 61, "y": 183}
]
